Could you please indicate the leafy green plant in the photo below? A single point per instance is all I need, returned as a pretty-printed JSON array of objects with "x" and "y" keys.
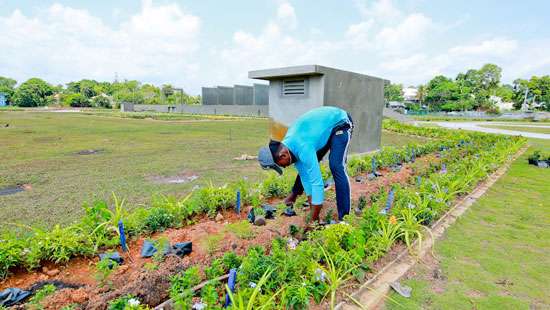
[
  {"x": 239, "y": 302},
  {"x": 38, "y": 297},
  {"x": 181, "y": 285},
  {"x": 10, "y": 253},
  {"x": 335, "y": 275},
  {"x": 275, "y": 186},
  {"x": 231, "y": 260},
  {"x": 158, "y": 220},
  {"x": 104, "y": 268},
  {"x": 210, "y": 296},
  {"x": 126, "y": 302},
  {"x": 215, "y": 269}
]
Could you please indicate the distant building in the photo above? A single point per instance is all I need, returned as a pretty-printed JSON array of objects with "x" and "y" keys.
[
  {"x": 501, "y": 105},
  {"x": 3, "y": 100},
  {"x": 410, "y": 94},
  {"x": 396, "y": 105}
]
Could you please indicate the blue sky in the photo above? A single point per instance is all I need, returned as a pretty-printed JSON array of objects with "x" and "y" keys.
[{"x": 204, "y": 43}]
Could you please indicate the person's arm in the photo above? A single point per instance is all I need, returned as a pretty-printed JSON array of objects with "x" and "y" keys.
[{"x": 311, "y": 168}]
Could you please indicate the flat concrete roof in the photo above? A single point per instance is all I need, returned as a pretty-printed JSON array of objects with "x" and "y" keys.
[{"x": 275, "y": 73}]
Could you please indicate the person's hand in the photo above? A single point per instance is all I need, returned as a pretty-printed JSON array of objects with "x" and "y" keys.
[
  {"x": 315, "y": 213},
  {"x": 290, "y": 199}
]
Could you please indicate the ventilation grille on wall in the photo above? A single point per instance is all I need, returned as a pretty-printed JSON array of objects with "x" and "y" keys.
[{"x": 294, "y": 87}]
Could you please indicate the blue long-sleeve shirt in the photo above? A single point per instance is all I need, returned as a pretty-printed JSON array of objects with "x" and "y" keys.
[{"x": 308, "y": 134}]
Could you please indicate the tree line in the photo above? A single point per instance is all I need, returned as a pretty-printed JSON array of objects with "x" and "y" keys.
[
  {"x": 36, "y": 92},
  {"x": 476, "y": 89}
]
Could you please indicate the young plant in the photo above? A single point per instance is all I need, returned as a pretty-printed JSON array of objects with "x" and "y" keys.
[
  {"x": 239, "y": 302},
  {"x": 212, "y": 243},
  {"x": 335, "y": 276},
  {"x": 181, "y": 285},
  {"x": 241, "y": 229},
  {"x": 104, "y": 268},
  {"x": 35, "y": 301}
]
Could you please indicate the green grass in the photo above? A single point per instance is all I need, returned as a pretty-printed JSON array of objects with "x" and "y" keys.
[
  {"x": 497, "y": 255},
  {"x": 520, "y": 128},
  {"x": 40, "y": 149}
]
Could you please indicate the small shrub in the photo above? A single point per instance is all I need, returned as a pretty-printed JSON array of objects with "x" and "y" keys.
[
  {"x": 181, "y": 285},
  {"x": 241, "y": 229},
  {"x": 215, "y": 269},
  {"x": 231, "y": 260},
  {"x": 104, "y": 268},
  {"x": 158, "y": 220}
]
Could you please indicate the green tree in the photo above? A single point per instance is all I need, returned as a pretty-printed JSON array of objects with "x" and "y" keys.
[
  {"x": 393, "y": 92},
  {"x": 33, "y": 93},
  {"x": 101, "y": 101},
  {"x": 77, "y": 100},
  {"x": 7, "y": 87}
]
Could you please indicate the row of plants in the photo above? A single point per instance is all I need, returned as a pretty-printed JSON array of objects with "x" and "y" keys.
[
  {"x": 98, "y": 229},
  {"x": 294, "y": 277}
]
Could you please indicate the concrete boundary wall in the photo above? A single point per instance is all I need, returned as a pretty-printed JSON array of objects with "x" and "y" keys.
[{"x": 236, "y": 110}]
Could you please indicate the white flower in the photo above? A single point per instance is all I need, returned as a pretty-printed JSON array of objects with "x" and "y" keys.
[
  {"x": 320, "y": 275},
  {"x": 252, "y": 284},
  {"x": 133, "y": 302},
  {"x": 199, "y": 306}
]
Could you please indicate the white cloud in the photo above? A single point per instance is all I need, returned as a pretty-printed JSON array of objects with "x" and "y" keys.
[
  {"x": 493, "y": 47},
  {"x": 286, "y": 15},
  {"x": 382, "y": 11},
  {"x": 405, "y": 36},
  {"x": 62, "y": 44}
]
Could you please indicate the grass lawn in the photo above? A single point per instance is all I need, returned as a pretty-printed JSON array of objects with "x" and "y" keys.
[
  {"x": 520, "y": 128},
  {"x": 41, "y": 149},
  {"x": 496, "y": 256}
]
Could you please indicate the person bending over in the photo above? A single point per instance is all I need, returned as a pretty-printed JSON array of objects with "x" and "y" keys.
[{"x": 306, "y": 142}]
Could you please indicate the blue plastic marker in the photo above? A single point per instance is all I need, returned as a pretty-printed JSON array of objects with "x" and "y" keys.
[
  {"x": 231, "y": 284},
  {"x": 122, "y": 236},
  {"x": 373, "y": 165},
  {"x": 413, "y": 156},
  {"x": 389, "y": 202},
  {"x": 238, "y": 204},
  {"x": 418, "y": 180}
]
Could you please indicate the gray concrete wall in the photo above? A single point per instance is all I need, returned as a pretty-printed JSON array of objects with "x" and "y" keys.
[
  {"x": 237, "y": 110},
  {"x": 261, "y": 94},
  {"x": 243, "y": 95},
  {"x": 363, "y": 97},
  {"x": 209, "y": 96},
  {"x": 225, "y": 95}
]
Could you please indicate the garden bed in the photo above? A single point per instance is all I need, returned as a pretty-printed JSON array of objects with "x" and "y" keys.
[{"x": 451, "y": 165}]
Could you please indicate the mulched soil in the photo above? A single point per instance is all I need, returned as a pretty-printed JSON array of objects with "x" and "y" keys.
[{"x": 151, "y": 286}]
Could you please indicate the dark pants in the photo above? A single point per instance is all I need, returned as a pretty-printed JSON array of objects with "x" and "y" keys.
[{"x": 338, "y": 144}]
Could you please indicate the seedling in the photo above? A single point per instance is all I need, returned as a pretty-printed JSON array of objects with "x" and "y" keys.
[
  {"x": 242, "y": 229},
  {"x": 212, "y": 243},
  {"x": 104, "y": 268},
  {"x": 42, "y": 293}
]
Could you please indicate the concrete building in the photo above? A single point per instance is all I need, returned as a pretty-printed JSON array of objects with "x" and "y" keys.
[
  {"x": 410, "y": 94},
  {"x": 295, "y": 90},
  {"x": 236, "y": 95}
]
